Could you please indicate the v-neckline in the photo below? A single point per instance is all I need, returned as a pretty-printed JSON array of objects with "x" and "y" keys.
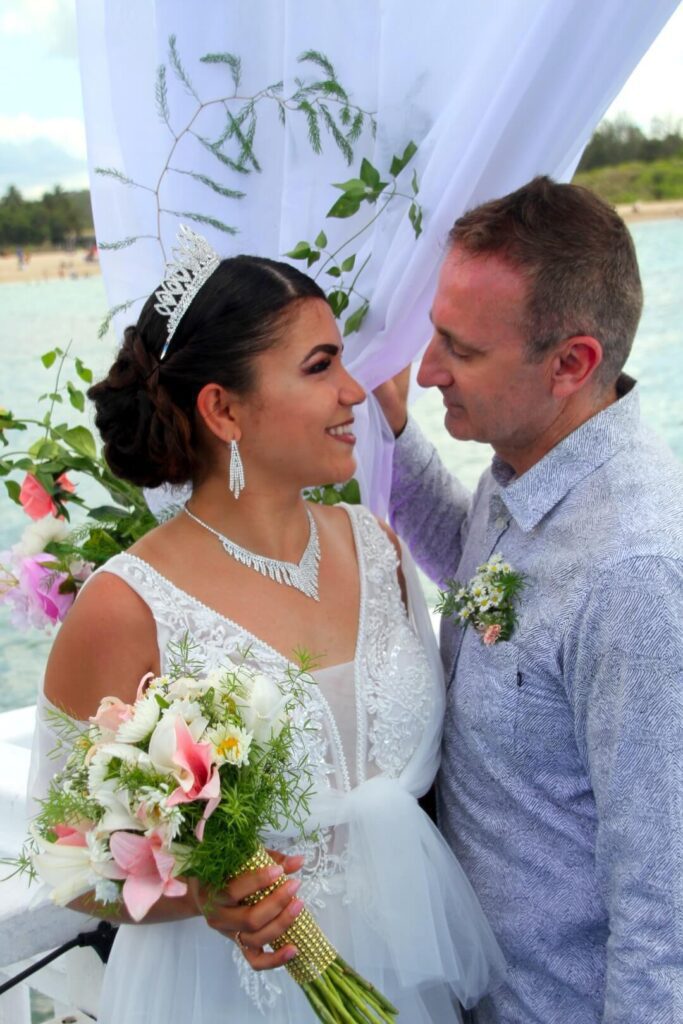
[{"x": 253, "y": 636}]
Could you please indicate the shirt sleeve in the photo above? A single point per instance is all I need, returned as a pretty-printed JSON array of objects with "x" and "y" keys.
[
  {"x": 625, "y": 673},
  {"x": 428, "y": 507}
]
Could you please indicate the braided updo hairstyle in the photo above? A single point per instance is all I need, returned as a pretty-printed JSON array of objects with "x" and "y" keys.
[{"x": 145, "y": 409}]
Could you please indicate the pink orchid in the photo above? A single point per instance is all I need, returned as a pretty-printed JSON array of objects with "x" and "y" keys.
[
  {"x": 111, "y": 713},
  {"x": 36, "y": 501},
  {"x": 199, "y": 778},
  {"x": 41, "y": 583},
  {"x": 148, "y": 869},
  {"x": 68, "y": 836}
]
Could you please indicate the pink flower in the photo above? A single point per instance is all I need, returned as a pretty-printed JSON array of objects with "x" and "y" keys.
[
  {"x": 199, "y": 778},
  {"x": 492, "y": 634},
  {"x": 36, "y": 501},
  {"x": 41, "y": 584},
  {"x": 148, "y": 869},
  {"x": 111, "y": 713},
  {"x": 68, "y": 836}
]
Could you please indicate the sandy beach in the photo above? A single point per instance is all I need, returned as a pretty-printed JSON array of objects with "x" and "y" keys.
[{"x": 46, "y": 266}]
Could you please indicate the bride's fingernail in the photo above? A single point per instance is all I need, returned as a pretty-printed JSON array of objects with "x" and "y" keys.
[
  {"x": 290, "y": 954},
  {"x": 295, "y": 907},
  {"x": 274, "y": 872}
]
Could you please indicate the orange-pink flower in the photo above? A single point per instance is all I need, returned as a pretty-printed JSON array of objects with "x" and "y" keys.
[
  {"x": 36, "y": 501},
  {"x": 148, "y": 870}
]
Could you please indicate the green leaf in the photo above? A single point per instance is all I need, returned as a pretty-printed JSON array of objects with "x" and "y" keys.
[
  {"x": 369, "y": 174},
  {"x": 356, "y": 186},
  {"x": 229, "y": 193},
  {"x": 104, "y": 326},
  {"x": 13, "y": 489},
  {"x": 83, "y": 372},
  {"x": 321, "y": 240},
  {"x": 45, "y": 450},
  {"x": 353, "y": 322},
  {"x": 161, "y": 95},
  {"x": 316, "y": 57},
  {"x": 111, "y": 172},
  {"x": 48, "y": 359},
  {"x": 178, "y": 67},
  {"x": 80, "y": 439},
  {"x": 331, "y": 495},
  {"x": 350, "y": 492},
  {"x": 76, "y": 397},
  {"x": 415, "y": 215},
  {"x": 313, "y": 125},
  {"x": 107, "y": 513},
  {"x": 348, "y": 264},
  {"x": 301, "y": 251},
  {"x": 399, "y": 162},
  {"x": 338, "y": 301},
  {"x": 313, "y": 257},
  {"x": 334, "y": 272},
  {"x": 200, "y": 218},
  {"x": 414, "y": 184},
  {"x": 345, "y": 206},
  {"x": 233, "y": 62}
]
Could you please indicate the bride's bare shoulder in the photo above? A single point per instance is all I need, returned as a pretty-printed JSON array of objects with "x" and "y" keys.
[{"x": 105, "y": 645}]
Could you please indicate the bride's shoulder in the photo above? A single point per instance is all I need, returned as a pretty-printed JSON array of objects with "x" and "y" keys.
[
  {"x": 105, "y": 645},
  {"x": 342, "y": 517}
]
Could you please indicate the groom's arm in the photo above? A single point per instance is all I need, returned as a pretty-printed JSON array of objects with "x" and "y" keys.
[
  {"x": 428, "y": 507},
  {"x": 624, "y": 665}
]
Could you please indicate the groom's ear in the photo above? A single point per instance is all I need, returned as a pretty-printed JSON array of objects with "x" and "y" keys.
[
  {"x": 218, "y": 410},
  {"x": 573, "y": 364}
]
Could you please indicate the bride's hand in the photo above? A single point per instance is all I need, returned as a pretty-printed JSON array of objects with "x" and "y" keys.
[{"x": 252, "y": 928}]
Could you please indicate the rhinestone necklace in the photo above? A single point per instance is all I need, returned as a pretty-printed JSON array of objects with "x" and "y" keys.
[{"x": 303, "y": 576}]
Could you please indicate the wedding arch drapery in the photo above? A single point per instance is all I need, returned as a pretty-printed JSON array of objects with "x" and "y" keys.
[{"x": 491, "y": 94}]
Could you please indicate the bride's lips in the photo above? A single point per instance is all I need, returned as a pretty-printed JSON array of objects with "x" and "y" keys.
[{"x": 342, "y": 432}]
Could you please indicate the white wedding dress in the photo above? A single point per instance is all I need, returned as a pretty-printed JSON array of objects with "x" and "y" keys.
[{"x": 381, "y": 881}]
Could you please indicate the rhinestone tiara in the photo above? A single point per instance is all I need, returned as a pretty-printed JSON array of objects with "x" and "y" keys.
[{"x": 194, "y": 261}]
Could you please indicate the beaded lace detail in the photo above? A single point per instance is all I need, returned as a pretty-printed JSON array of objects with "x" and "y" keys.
[{"x": 392, "y": 686}]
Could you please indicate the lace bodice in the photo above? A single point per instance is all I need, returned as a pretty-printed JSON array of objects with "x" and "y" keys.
[{"x": 368, "y": 716}]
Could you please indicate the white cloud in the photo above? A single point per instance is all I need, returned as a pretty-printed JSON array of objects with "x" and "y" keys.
[
  {"x": 50, "y": 23},
  {"x": 35, "y": 166},
  {"x": 66, "y": 132}
]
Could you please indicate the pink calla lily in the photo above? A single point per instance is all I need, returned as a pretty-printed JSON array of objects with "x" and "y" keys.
[
  {"x": 148, "y": 870},
  {"x": 68, "y": 836}
]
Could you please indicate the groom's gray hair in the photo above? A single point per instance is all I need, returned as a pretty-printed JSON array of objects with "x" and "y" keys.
[{"x": 578, "y": 258}]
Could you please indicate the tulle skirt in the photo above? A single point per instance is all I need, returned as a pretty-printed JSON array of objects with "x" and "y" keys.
[{"x": 402, "y": 913}]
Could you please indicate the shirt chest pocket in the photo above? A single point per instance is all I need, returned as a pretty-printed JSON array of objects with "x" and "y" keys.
[{"x": 486, "y": 690}]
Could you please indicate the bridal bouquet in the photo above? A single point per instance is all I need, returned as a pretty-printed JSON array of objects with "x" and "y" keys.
[{"x": 181, "y": 784}]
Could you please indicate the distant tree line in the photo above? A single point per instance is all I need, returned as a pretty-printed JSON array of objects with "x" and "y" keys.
[
  {"x": 58, "y": 218},
  {"x": 620, "y": 141}
]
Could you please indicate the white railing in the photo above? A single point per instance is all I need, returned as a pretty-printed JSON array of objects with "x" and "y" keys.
[{"x": 29, "y": 930}]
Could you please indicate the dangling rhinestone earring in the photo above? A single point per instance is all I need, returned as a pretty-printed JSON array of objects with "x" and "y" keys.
[{"x": 236, "y": 470}]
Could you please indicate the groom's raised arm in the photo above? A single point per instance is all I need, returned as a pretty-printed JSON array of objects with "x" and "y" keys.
[{"x": 428, "y": 506}]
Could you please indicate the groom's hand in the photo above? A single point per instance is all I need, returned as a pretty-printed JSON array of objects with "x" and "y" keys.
[{"x": 393, "y": 397}]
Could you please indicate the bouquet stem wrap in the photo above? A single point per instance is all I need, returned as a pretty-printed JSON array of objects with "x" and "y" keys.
[{"x": 336, "y": 992}]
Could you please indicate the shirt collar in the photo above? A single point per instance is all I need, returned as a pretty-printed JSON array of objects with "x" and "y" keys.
[{"x": 531, "y": 496}]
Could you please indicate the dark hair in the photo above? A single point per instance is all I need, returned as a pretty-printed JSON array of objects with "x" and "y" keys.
[
  {"x": 145, "y": 409},
  {"x": 579, "y": 261}
]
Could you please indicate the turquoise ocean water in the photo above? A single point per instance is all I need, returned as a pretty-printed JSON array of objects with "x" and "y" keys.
[{"x": 35, "y": 317}]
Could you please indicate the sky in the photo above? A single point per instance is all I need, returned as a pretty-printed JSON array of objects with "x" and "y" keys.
[{"x": 42, "y": 137}]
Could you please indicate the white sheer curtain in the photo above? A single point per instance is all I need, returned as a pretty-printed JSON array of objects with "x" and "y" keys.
[{"x": 492, "y": 93}]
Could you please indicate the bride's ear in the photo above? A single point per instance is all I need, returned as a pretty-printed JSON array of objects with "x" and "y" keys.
[{"x": 219, "y": 410}]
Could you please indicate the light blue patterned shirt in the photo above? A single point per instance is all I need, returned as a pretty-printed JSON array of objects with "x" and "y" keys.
[{"x": 561, "y": 788}]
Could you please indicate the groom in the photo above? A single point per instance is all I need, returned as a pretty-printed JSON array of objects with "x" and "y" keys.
[{"x": 561, "y": 785}]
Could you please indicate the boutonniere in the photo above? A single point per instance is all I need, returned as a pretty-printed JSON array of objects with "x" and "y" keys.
[{"x": 487, "y": 601}]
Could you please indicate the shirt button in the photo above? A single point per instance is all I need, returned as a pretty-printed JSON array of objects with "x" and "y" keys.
[{"x": 501, "y": 523}]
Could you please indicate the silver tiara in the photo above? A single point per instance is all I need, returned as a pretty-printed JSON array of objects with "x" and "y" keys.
[{"x": 194, "y": 262}]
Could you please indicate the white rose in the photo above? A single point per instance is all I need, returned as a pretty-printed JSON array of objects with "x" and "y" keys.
[
  {"x": 262, "y": 709},
  {"x": 38, "y": 535}
]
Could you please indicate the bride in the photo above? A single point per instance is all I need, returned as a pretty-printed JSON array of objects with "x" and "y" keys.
[{"x": 240, "y": 388}]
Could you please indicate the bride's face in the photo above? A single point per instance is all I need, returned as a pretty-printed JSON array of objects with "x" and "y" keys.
[{"x": 296, "y": 426}]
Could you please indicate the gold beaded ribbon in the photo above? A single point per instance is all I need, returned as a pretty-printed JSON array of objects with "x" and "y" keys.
[{"x": 315, "y": 952}]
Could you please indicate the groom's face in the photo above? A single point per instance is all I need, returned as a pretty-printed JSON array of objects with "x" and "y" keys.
[{"x": 477, "y": 356}]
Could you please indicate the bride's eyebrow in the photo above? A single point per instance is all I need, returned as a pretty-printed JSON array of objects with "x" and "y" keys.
[{"x": 330, "y": 350}]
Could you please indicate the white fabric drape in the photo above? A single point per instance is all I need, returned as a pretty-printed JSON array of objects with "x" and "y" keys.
[{"x": 492, "y": 93}]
